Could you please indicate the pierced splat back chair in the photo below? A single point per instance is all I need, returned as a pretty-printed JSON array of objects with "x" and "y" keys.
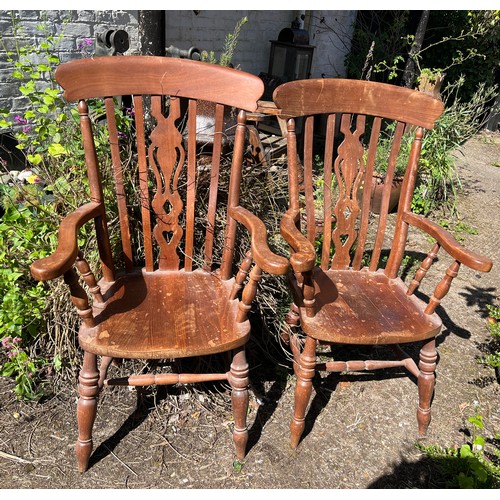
[
  {"x": 183, "y": 299},
  {"x": 342, "y": 293}
]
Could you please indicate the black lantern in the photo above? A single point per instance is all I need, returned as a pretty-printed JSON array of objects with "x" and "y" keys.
[{"x": 290, "y": 58}]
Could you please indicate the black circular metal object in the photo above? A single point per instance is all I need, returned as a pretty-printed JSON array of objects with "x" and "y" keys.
[{"x": 118, "y": 39}]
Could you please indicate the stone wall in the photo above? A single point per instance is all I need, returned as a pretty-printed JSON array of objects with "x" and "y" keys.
[
  {"x": 207, "y": 30},
  {"x": 76, "y": 26},
  {"x": 330, "y": 32}
]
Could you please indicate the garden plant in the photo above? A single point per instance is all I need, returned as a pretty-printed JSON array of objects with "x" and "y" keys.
[
  {"x": 35, "y": 320},
  {"x": 38, "y": 323}
]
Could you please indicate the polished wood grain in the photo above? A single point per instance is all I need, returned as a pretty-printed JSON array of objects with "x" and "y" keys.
[
  {"x": 162, "y": 294},
  {"x": 314, "y": 96},
  {"x": 151, "y": 75},
  {"x": 346, "y": 259}
]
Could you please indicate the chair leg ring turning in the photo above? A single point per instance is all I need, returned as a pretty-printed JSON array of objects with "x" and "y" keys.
[
  {"x": 304, "y": 371},
  {"x": 88, "y": 390},
  {"x": 238, "y": 378},
  {"x": 426, "y": 382}
]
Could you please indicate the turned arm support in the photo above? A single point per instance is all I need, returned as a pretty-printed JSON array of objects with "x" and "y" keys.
[
  {"x": 261, "y": 253},
  {"x": 448, "y": 243},
  {"x": 458, "y": 252},
  {"x": 64, "y": 257},
  {"x": 304, "y": 256}
]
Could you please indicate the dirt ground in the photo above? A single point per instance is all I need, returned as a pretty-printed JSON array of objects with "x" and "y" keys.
[{"x": 361, "y": 428}]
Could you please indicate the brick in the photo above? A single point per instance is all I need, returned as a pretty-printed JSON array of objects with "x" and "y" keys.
[{"x": 184, "y": 29}]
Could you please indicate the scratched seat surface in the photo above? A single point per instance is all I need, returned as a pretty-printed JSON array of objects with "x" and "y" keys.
[
  {"x": 365, "y": 308},
  {"x": 174, "y": 313}
]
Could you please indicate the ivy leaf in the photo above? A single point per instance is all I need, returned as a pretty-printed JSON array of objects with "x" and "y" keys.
[
  {"x": 465, "y": 451},
  {"x": 35, "y": 159},
  {"x": 56, "y": 149}
]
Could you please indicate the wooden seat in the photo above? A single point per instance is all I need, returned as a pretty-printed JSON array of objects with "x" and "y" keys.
[
  {"x": 174, "y": 312},
  {"x": 364, "y": 308},
  {"x": 176, "y": 277},
  {"x": 346, "y": 259}
]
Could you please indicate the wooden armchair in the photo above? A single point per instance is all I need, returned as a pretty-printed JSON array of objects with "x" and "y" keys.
[
  {"x": 345, "y": 290},
  {"x": 170, "y": 291}
]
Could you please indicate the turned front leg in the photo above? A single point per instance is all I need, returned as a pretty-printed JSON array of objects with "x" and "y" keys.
[
  {"x": 88, "y": 390},
  {"x": 426, "y": 382},
  {"x": 304, "y": 368},
  {"x": 238, "y": 378}
]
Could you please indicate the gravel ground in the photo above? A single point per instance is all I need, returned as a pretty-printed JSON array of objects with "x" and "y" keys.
[{"x": 360, "y": 431}]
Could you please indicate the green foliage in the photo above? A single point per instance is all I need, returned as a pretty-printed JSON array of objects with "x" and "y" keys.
[
  {"x": 493, "y": 358},
  {"x": 24, "y": 236},
  {"x": 24, "y": 368},
  {"x": 31, "y": 313},
  {"x": 238, "y": 466},
  {"x": 476, "y": 464},
  {"x": 458, "y": 43},
  {"x": 230, "y": 43},
  {"x": 378, "y": 36},
  {"x": 463, "y": 44},
  {"x": 439, "y": 182},
  {"x": 41, "y": 128}
]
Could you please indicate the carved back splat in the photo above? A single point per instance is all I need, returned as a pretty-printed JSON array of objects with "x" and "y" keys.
[
  {"x": 167, "y": 159},
  {"x": 349, "y": 172}
]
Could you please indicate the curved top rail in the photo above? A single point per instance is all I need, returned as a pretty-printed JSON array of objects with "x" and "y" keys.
[
  {"x": 338, "y": 95},
  {"x": 136, "y": 75}
]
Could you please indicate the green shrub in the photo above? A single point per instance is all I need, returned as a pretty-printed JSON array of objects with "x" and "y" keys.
[
  {"x": 25, "y": 235},
  {"x": 476, "y": 464},
  {"x": 37, "y": 320}
]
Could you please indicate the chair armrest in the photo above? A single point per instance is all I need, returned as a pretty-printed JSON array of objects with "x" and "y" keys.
[
  {"x": 261, "y": 253},
  {"x": 449, "y": 243},
  {"x": 63, "y": 258},
  {"x": 304, "y": 256}
]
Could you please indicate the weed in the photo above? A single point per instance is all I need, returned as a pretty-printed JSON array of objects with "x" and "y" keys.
[
  {"x": 230, "y": 43},
  {"x": 238, "y": 466},
  {"x": 476, "y": 464},
  {"x": 493, "y": 358}
]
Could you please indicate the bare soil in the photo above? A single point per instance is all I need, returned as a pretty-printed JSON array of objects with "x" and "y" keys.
[{"x": 361, "y": 428}]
